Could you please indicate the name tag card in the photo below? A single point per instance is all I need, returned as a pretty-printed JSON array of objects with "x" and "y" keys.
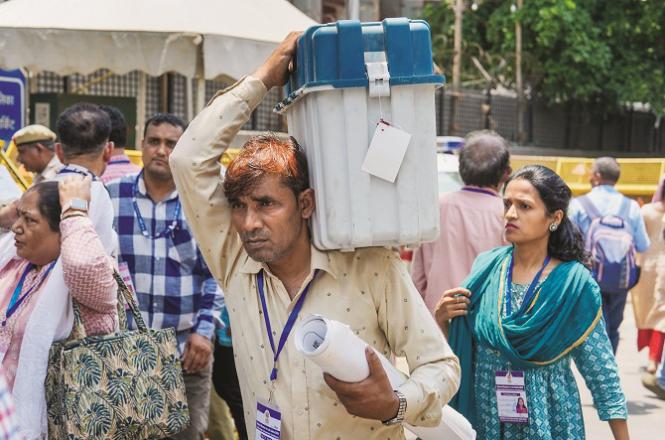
[
  {"x": 511, "y": 397},
  {"x": 386, "y": 151},
  {"x": 268, "y": 422}
]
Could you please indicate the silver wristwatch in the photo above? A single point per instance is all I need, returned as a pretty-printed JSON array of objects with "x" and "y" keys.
[
  {"x": 77, "y": 204},
  {"x": 401, "y": 410}
]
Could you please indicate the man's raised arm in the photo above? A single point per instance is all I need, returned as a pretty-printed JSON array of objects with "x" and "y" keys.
[{"x": 195, "y": 160}]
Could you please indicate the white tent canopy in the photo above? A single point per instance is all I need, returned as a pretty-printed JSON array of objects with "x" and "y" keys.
[{"x": 196, "y": 38}]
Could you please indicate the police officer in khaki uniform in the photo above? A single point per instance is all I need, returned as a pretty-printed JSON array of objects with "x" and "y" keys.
[{"x": 36, "y": 151}]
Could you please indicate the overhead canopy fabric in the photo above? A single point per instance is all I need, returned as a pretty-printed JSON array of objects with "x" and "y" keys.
[{"x": 229, "y": 37}]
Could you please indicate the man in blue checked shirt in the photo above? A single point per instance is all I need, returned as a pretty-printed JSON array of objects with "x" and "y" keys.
[{"x": 160, "y": 257}]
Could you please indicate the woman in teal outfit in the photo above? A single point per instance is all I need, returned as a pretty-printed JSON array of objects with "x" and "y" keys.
[{"x": 531, "y": 308}]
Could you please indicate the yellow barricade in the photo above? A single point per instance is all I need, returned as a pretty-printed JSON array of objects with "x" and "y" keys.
[
  {"x": 16, "y": 172},
  {"x": 639, "y": 177},
  {"x": 227, "y": 157}
]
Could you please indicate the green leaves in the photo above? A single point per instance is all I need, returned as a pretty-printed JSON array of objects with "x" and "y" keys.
[
  {"x": 178, "y": 417},
  {"x": 151, "y": 403},
  {"x": 119, "y": 386},
  {"x": 595, "y": 54},
  {"x": 97, "y": 420},
  {"x": 144, "y": 356},
  {"x": 88, "y": 369}
]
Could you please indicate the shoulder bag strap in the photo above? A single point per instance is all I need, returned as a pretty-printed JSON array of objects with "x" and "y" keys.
[
  {"x": 126, "y": 294},
  {"x": 589, "y": 207}
]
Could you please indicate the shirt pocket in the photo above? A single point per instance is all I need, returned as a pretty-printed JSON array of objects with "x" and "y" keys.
[{"x": 182, "y": 258}]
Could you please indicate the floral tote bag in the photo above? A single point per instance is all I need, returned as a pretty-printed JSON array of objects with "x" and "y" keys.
[{"x": 125, "y": 385}]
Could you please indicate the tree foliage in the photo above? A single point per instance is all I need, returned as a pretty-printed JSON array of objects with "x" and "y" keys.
[{"x": 596, "y": 54}]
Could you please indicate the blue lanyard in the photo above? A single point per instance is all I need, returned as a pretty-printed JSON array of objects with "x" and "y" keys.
[
  {"x": 289, "y": 322},
  {"x": 530, "y": 291},
  {"x": 69, "y": 170},
  {"x": 16, "y": 299},
  {"x": 168, "y": 230},
  {"x": 480, "y": 191}
]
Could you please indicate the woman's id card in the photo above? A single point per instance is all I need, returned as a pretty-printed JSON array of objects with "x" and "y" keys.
[
  {"x": 268, "y": 422},
  {"x": 511, "y": 397}
]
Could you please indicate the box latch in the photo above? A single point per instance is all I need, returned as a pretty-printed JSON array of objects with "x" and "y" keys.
[{"x": 377, "y": 73}]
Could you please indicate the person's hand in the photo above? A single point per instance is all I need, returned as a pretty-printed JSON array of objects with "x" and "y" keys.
[
  {"x": 8, "y": 215},
  {"x": 197, "y": 353},
  {"x": 275, "y": 70},
  {"x": 372, "y": 398},
  {"x": 453, "y": 303},
  {"x": 74, "y": 187}
]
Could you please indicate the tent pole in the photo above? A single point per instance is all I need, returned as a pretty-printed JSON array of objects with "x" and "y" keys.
[
  {"x": 140, "y": 108},
  {"x": 200, "y": 93},
  {"x": 189, "y": 98},
  {"x": 199, "y": 77}
]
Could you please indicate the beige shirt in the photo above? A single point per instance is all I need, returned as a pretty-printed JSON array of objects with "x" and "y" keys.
[
  {"x": 369, "y": 289},
  {"x": 49, "y": 172}
]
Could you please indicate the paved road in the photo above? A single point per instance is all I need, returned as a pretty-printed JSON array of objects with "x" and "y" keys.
[{"x": 646, "y": 413}]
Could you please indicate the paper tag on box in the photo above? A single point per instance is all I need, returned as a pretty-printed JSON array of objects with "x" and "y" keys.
[{"x": 386, "y": 151}]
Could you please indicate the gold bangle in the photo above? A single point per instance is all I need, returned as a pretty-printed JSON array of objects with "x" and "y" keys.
[{"x": 74, "y": 214}]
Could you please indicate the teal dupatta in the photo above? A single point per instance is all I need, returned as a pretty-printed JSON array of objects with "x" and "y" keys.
[{"x": 563, "y": 312}]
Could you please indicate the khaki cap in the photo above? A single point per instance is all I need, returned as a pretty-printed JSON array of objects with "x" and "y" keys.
[{"x": 33, "y": 133}]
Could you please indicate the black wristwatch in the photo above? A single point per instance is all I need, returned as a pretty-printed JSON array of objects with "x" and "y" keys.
[{"x": 401, "y": 410}]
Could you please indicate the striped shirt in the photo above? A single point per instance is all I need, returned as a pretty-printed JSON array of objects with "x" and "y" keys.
[
  {"x": 168, "y": 273},
  {"x": 119, "y": 166}
]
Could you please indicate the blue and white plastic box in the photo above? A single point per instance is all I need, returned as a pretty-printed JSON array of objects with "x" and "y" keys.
[{"x": 348, "y": 76}]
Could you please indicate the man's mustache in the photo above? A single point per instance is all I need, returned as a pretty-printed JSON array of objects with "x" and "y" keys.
[{"x": 255, "y": 235}]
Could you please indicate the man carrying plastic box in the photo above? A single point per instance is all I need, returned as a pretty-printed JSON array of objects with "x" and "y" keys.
[{"x": 253, "y": 231}]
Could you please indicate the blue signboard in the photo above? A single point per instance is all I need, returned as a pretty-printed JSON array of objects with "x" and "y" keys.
[{"x": 12, "y": 104}]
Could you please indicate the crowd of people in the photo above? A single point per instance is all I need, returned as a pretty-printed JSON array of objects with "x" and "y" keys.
[{"x": 523, "y": 279}]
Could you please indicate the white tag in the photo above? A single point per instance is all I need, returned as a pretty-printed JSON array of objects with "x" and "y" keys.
[
  {"x": 511, "y": 397},
  {"x": 268, "y": 422},
  {"x": 386, "y": 151},
  {"x": 123, "y": 269}
]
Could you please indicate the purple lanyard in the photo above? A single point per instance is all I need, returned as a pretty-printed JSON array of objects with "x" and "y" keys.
[
  {"x": 480, "y": 191},
  {"x": 289, "y": 322},
  {"x": 530, "y": 291},
  {"x": 16, "y": 300}
]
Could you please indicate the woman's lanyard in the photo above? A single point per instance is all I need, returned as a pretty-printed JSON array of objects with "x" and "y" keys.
[
  {"x": 17, "y": 299},
  {"x": 480, "y": 191},
  {"x": 289, "y": 322},
  {"x": 530, "y": 291},
  {"x": 168, "y": 230}
]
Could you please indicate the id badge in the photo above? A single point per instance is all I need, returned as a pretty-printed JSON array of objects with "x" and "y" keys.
[
  {"x": 123, "y": 269},
  {"x": 511, "y": 397},
  {"x": 268, "y": 422}
]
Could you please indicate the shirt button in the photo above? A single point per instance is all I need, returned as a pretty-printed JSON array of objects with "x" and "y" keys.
[
  {"x": 154, "y": 304},
  {"x": 300, "y": 412}
]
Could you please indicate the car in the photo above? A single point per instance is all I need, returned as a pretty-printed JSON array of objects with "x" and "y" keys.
[{"x": 449, "y": 179}]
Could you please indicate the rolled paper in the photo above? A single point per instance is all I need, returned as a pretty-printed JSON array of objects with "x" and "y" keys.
[{"x": 334, "y": 347}]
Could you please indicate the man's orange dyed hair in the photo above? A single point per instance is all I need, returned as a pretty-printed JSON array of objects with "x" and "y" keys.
[{"x": 267, "y": 155}]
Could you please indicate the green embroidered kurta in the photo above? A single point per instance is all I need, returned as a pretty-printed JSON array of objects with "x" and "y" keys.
[{"x": 553, "y": 399}]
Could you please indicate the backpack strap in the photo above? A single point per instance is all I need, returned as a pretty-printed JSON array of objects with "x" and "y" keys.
[
  {"x": 589, "y": 207},
  {"x": 624, "y": 210}
]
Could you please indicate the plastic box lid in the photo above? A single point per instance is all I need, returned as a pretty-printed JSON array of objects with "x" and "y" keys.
[{"x": 334, "y": 54}]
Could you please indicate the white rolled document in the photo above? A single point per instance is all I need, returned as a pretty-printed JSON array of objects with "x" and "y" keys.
[{"x": 339, "y": 352}]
